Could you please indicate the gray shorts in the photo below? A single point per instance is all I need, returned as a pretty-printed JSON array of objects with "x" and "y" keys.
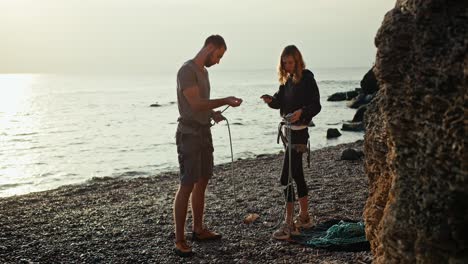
[{"x": 195, "y": 156}]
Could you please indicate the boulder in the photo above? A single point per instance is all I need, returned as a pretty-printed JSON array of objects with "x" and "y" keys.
[
  {"x": 369, "y": 83},
  {"x": 341, "y": 96},
  {"x": 353, "y": 126},
  {"x": 351, "y": 154},
  {"x": 361, "y": 99},
  {"x": 333, "y": 133},
  {"x": 359, "y": 115},
  {"x": 337, "y": 97}
]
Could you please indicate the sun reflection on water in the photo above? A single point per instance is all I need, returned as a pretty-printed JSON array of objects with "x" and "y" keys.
[{"x": 15, "y": 104}]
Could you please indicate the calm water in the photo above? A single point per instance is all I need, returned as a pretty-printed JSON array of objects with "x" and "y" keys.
[{"x": 66, "y": 129}]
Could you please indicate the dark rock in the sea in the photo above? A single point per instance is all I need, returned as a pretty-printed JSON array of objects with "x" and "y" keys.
[
  {"x": 415, "y": 142},
  {"x": 333, "y": 133},
  {"x": 361, "y": 99},
  {"x": 337, "y": 97},
  {"x": 359, "y": 115},
  {"x": 351, "y": 154},
  {"x": 369, "y": 83},
  {"x": 237, "y": 124},
  {"x": 351, "y": 94},
  {"x": 311, "y": 123},
  {"x": 341, "y": 96},
  {"x": 155, "y": 105},
  {"x": 353, "y": 126}
]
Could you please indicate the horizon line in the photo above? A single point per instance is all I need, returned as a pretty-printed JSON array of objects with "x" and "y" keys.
[{"x": 171, "y": 71}]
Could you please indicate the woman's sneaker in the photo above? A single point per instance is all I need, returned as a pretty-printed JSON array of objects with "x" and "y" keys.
[
  {"x": 304, "y": 222},
  {"x": 182, "y": 249},
  {"x": 285, "y": 232}
]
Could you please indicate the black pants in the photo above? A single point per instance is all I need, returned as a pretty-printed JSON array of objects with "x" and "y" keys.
[{"x": 297, "y": 171}]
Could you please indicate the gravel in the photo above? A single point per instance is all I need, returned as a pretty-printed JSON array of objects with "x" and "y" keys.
[{"x": 129, "y": 220}]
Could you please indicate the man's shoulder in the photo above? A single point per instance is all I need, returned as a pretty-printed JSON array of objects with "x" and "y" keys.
[{"x": 187, "y": 67}]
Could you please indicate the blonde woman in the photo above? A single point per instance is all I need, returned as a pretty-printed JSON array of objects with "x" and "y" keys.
[{"x": 298, "y": 97}]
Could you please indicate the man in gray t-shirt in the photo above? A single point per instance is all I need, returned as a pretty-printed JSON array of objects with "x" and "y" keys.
[
  {"x": 190, "y": 75},
  {"x": 194, "y": 142}
]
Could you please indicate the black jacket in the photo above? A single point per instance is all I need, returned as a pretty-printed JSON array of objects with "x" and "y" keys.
[{"x": 306, "y": 96}]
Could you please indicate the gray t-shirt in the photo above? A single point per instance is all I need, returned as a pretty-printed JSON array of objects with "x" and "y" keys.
[{"x": 190, "y": 75}]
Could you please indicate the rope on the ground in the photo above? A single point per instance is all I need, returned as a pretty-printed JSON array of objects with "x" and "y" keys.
[{"x": 336, "y": 234}]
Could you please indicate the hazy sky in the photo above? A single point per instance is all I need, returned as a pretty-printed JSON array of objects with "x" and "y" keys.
[{"x": 158, "y": 36}]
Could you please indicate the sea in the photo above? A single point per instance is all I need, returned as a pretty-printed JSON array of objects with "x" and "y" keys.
[{"x": 61, "y": 129}]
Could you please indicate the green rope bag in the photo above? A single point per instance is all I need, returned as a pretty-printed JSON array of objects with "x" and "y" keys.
[{"x": 339, "y": 235}]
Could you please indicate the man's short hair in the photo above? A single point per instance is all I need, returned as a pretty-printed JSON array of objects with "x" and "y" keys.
[{"x": 215, "y": 40}]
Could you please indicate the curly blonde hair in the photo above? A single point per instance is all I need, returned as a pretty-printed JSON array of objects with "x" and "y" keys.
[{"x": 293, "y": 51}]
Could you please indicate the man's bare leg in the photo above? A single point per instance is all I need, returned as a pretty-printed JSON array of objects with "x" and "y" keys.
[
  {"x": 198, "y": 204},
  {"x": 180, "y": 210}
]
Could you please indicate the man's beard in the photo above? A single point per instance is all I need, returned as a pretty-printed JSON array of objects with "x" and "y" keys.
[{"x": 208, "y": 61}]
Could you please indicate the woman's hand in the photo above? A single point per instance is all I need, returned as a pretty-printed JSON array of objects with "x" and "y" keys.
[
  {"x": 267, "y": 98},
  {"x": 296, "y": 116}
]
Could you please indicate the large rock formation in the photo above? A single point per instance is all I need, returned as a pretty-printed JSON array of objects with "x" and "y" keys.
[
  {"x": 417, "y": 210},
  {"x": 369, "y": 83}
]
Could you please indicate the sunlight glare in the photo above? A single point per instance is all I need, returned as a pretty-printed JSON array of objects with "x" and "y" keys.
[{"x": 15, "y": 90}]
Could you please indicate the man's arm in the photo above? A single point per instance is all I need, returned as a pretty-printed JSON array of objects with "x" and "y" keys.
[{"x": 199, "y": 104}]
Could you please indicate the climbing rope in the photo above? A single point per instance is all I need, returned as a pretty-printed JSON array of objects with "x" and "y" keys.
[{"x": 232, "y": 165}]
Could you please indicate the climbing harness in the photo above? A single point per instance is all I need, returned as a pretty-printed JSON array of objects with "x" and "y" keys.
[{"x": 302, "y": 148}]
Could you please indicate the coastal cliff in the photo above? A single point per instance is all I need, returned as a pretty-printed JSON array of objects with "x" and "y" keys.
[{"x": 417, "y": 208}]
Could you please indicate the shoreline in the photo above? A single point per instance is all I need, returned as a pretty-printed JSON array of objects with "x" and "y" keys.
[
  {"x": 132, "y": 174},
  {"x": 130, "y": 219}
]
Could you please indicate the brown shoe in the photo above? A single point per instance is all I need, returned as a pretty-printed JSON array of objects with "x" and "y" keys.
[
  {"x": 304, "y": 222},
  {"x": 205, "y": 235},
  {"x": 182, "y": 249}
]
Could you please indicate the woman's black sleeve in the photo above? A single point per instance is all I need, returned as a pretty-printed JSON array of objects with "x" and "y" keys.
[
  {"x": 312, "y": 106},
  {"x": 276, "y": 100}
]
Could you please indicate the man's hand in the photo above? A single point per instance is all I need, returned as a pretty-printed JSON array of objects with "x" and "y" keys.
[
  {"x": 266, "y": 98},
  {"x": 217, "y": 116},
  {"x": 233, "y": 101},
  {"x": 296, "y": 115}
]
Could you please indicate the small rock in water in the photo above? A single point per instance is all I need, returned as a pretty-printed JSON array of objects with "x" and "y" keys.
[
  {"x": 333, "y": 133},
  {"x": 353, "y": 126}
]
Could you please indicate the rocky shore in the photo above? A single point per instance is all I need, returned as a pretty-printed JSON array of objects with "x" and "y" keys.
[{"x": 111, "y": 220}]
